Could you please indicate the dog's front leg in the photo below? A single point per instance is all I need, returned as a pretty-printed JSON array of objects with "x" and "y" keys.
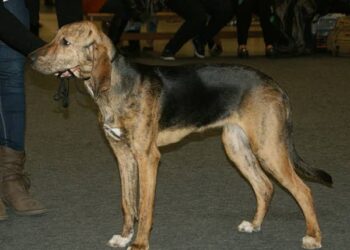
[
  {"x": 128, "y": 178},
  {"x": 148, "y": 161}
]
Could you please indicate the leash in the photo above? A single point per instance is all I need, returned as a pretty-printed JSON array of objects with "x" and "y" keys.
[{"x": 62, "y": 94}]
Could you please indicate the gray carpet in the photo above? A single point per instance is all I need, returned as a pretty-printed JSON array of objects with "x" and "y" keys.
[{"x": 201, "y": 198}]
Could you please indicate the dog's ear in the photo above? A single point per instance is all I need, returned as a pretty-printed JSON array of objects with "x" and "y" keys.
[{"x": 101, "y": 71}]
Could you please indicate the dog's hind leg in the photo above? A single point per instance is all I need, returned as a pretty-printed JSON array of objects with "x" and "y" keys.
[
  {"x": 276, "y": 160},
  {"x": 271, "y": 146},
  {"x": 128, "y": 177},
  {"x": 237, "y": 147}
]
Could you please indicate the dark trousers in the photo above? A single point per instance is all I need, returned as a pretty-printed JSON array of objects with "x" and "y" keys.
[
  {"x": 245, "y": 10},
  {"x": 12, "y": 99},
  {"x": 68, "y": 11},
  {"x": 122, "y": 15},
  {"x": 203, "y": 19},
  {"x": 120, "y": 19},
  {"x": 34, "y": 8}
]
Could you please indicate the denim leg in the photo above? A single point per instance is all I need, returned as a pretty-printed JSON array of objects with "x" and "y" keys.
[{"x": 12, "y": 99}]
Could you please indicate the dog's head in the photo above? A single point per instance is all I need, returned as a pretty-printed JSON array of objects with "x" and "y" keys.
[{"x": 80, "y": 48}]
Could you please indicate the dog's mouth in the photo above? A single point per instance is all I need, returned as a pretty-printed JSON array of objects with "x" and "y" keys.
[{"x": 75, "y": 71}]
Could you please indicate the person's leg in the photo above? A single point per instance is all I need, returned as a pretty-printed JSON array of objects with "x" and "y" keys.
[
  {"x": 221, "y": 12},
  {"x": 195, "y": 20},
  {"x": 13, "y": 183},
  {"x": 244, "y": 19},
  {"x": 134, "y": 47},
  {"x": 12, "y": 99},
  {"x": 265, "y": 12},
  {"x": 151, "y": 27},
  {"x": 119, "y": 20},
  {"x": 12, "y": 110},
  {"x": 33, "y": 8}
]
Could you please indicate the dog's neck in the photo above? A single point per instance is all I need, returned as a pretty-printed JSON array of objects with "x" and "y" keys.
[
  {"x": 123, "y": 75},
  {"x": 124, "y": 79}
]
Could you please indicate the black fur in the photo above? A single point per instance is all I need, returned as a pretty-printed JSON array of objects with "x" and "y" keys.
[{"x": 198, "y": 95}]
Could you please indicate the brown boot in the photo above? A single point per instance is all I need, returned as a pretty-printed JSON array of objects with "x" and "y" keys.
[{"x": 14, "y": 184}]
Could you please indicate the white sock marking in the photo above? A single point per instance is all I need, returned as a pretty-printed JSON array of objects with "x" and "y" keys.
[
  {"x": 247, "y": 227},
  {"x": 119, "y": 241}
]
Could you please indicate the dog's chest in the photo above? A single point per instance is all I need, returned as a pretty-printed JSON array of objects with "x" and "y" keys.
[{"x": 111, "y": 121}]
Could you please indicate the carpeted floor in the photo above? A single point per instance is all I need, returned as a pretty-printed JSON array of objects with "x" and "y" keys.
[{"x": 201, "y": 198}]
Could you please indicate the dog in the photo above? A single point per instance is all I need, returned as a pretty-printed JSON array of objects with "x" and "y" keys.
[{"x": 144, "y": 107}]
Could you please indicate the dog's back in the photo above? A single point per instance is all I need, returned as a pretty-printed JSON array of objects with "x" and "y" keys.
[{"x": 199, "y": 95}]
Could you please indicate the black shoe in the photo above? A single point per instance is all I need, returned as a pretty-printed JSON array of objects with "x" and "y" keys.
[
  {"x": 167, "y": 55},
  {"x": 216, "y": 50},
  {"x": 270, "y": 52},
  {"x": 242, "y": 53},
  {"x": 199, "y": 49}
]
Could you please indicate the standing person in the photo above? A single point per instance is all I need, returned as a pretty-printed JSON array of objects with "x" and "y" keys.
[
  {"x": 245, "y": 10},
  {"x": 203, "y": 20},
  {"x": 14, "y": 184},
  {"x": 14, "y": 46}
]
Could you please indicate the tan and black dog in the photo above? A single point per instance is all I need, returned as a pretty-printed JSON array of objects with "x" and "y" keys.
[{"x": 144, "y": 107}]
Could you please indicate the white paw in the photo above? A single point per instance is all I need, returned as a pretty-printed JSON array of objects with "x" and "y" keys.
[
  {"x": 119, "y": 241},
  {"x": 311, "y": 243},
  {"x": 247, "y": 227}
]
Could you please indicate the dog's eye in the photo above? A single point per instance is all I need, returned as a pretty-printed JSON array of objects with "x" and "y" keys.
[{"x": 65, "y": 42}]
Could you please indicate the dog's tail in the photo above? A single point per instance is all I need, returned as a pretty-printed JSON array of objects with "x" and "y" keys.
[
  {"x": 308, "y": 172},
  {"x": 300, "y": 166}
]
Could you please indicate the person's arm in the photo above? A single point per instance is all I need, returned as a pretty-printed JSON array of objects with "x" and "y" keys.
[{"x": 15, "y": 34}]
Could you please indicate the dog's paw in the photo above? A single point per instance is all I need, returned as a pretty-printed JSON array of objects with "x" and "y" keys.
[
  {"x": 311, "y": 243},
  {"x": 119, "y": 241},
  {"x": 248, "y": 227}
]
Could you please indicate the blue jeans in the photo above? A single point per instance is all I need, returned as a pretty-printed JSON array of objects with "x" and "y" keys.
[{"x": 12, "y": 99}]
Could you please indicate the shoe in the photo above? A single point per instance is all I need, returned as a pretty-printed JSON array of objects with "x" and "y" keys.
[
  {"x": 270, "y": 52},
  {"x": 216, "y": 50},
  {"x": 243, "y": 53},
  {"x": 15, "y": 184},
  {"x": 199, "y": 49},
  {"x": 167, "y": 55}
]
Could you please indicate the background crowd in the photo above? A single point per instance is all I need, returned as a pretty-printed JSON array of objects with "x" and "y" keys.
[{"x": 286, "y": 24}]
